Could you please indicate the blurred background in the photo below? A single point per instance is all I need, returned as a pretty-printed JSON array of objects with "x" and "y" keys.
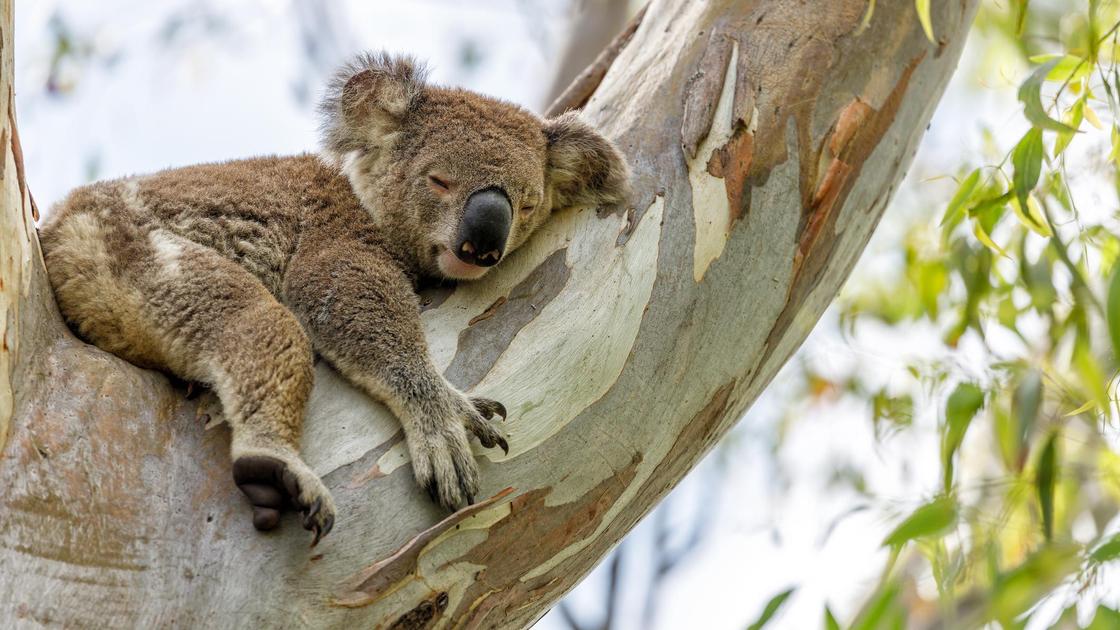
[{"x": 944, "y": 446}]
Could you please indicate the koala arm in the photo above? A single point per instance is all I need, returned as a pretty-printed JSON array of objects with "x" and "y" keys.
[{"x": 362, "y": 315}]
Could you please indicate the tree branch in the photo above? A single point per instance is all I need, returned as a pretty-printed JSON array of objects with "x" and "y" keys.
[
  {"x": 765, "y": 138},
  {"x": 584, "y": 85}
]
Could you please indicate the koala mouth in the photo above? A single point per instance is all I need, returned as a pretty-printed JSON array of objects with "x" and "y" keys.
[{"x": 452, "y": 267}]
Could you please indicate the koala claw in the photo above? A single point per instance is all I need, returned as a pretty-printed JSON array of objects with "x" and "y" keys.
[
  {"x": 488, "y": 407},
  {"x": 481, "y": 427},
  {"x": 271, "y": 485}
]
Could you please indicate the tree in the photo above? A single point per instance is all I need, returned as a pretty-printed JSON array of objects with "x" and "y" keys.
[{"x": 766, "y": 140}]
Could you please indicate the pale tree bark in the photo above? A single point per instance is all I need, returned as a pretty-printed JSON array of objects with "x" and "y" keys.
[{"x": 766, "y": 138}]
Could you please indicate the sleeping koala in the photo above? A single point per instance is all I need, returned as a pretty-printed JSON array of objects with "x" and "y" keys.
[{"x": 234, "y": 274}]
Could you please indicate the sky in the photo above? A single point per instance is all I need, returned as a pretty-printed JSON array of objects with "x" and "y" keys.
[{"x": 176, "y": 82}]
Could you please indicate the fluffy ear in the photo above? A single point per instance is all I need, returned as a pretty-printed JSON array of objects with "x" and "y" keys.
[
  {"x": 584, "y": 168},
  {"x": 367, "y": 98}
]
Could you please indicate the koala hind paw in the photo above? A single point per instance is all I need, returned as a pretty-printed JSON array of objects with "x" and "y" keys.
[{"x": 272, "y": 485}]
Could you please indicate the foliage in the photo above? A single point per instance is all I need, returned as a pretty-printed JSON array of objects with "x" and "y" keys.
[{"x": 1019, "y": 269}]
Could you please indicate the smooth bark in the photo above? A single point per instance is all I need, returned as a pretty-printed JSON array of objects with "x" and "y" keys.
[{"x": 766, "y": 138}]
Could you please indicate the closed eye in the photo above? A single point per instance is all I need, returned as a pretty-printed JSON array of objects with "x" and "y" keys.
[
  {"x": 438, "y": 184},
  {"x": 528, "y": 209}
]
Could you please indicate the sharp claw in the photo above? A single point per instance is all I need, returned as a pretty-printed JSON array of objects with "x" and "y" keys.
[
  {"x": 505, "y": 445},
  {"x": 433, "y": 490},
  {"x": 501, "y": 409},
  {"x": 315, "y": 506},
  {"x": 328, "y": 524},
  {"x": 318, "y": 535},
  {"x": 470, "y": 500}
]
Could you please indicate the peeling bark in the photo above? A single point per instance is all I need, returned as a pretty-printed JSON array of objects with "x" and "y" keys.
[{"x": 765, "y": 137}]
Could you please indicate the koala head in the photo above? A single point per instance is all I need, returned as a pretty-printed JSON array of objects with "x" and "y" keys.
[{"x": 457, "y": 178}]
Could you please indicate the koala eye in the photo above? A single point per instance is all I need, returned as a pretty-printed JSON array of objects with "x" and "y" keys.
[
  {"x": 528, "y": 209},
  {"x": 438, "y": 184}
]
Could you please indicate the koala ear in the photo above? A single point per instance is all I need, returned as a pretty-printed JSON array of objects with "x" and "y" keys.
[
  {"x": 367, "y": 98},
  {"x": 584, "y": 168}
]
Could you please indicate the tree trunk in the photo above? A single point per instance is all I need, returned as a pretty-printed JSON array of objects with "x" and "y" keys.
[{"x": 766, "y": 138}]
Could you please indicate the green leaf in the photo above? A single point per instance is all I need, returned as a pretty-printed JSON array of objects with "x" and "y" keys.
[
  {"x": 1107, "y": 551},
  {"x": 1092, "y": 404},
  {"x": 1026, "y": 157},
  {"x": 1087, "y": 367},
  {"x": 1044, "y": 483},
  {"x": 923, "y": 16},
  {"x": 956, "y": 207},
  {"x": 961, "y": 407},
  {"x": 1067, "y": 67},
  {"x": 982, "y": 235},
  {"x": 830, "y": 622},
  {"x": 883, "y": 608},
  {"x": 1026, "y": 403},
  {"x": 1020, "y": 16},
  {"x": 1114, "y": 137},
  {"x": 1022, "y": 587},
  {"x": 1113, "y": 312},
  {"x": 1030, "y": 94},
  {"x": 932, "y": 519},
  {"x": 771, "y": 609},
  {"x": 1031, "y": 217},
  {"x": 1073, "y": 117}
]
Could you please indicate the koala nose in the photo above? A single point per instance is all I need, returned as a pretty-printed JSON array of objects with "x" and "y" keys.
[{"x": 484, "y": 228}]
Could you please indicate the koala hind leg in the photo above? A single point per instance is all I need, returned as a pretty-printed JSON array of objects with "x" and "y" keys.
[{"x": 178, "y": 306}]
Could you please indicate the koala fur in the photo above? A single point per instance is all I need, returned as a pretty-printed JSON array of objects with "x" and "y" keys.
[{"x": 235, "y": 274}]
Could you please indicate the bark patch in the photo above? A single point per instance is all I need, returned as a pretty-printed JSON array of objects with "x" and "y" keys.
[
  {"x": 384, "y": 576},
  {"x": 855, "y": 134},
  {"x": 732, "y": 163},
  {"x": 491, "y": 331},
  {"x": 499, "y": 590}
]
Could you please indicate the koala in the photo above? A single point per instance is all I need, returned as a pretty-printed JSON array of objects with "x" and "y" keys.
[{"x": 237, "y": 274}]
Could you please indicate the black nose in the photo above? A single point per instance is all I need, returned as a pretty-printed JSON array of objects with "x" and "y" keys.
[{"x": 484, "y": 228}]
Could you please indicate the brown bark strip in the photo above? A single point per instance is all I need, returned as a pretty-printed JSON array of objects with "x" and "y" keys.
[
  {"x": 732, "y": 162},
  {"x": 856, "y": 133},
  {"x": 424, "y": 615},
  {"x": 579, "y": 92},
  {"x": 489, "y": 312},
  {"x": 384, "y": 576},
  {"x": 17, "y": 153}
]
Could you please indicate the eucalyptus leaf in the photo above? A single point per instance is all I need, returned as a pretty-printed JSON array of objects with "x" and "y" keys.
[
  {"x": 923, "y": 16},
  {"x": 1113, "y": 313},
  {"x": 1044, "y": 484},
  {"x": 772, "y": 607},
  {"x": 932, "y": 519},
  {"x": 1030, "y": 94},
  {"x": 960, "y": 409},
  {"x": 1026, "y": 157}
]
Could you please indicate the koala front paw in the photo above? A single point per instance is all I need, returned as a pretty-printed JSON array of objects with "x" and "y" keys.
[
  {"x": 441, "y": 457},
  {"x": 480, "y": 423},
  {"x": 273, "y": 485}
]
